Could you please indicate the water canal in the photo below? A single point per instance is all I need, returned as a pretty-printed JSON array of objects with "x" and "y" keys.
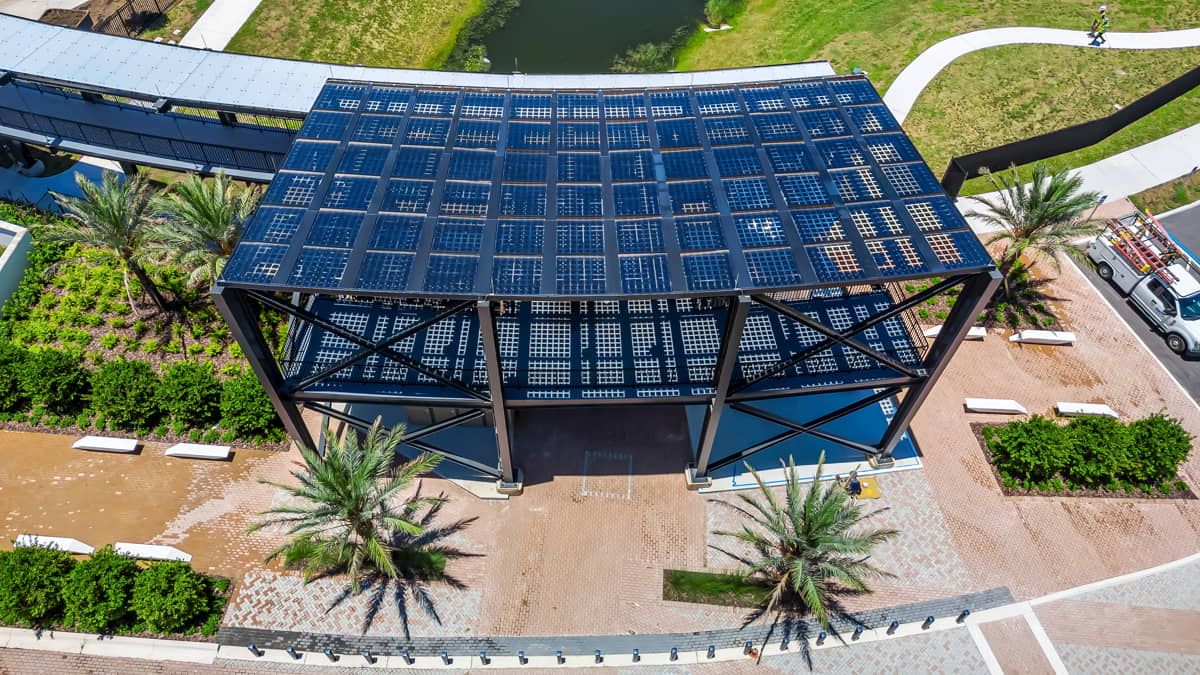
[{"x": 583, "y": 36}]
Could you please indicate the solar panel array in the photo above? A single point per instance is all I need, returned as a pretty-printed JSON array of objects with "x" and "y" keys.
[
  {"x": 420, "y": 191},
  {"x": 665, "y": 348}
]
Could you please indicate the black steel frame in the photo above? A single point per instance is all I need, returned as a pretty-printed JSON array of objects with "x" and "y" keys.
[{"x": 289, "y": 395}]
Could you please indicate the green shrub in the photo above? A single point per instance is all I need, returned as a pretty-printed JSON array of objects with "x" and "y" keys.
[
  {"x": 1158, "y": 445},
  {"x": 97, "y": 592},
  {"x": 246, "y": 410},
  {"x": 12, "y": 361},
  {"x": 1035, "y": 450},
  {"x": 31, "y": 583},
  {"x": 190, "y": 393},
  {"x": 717, "y": 12},
  {"x": 127, "y": 393},
  {"x": 54, "y": 379},
  {"x": 109, "y": 340},
  {"x": 1099, "y": 451},
  {"x": 168, "y": 597}
]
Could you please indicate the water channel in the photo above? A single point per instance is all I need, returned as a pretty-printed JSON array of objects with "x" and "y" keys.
[{"x": 583, "y": 36}]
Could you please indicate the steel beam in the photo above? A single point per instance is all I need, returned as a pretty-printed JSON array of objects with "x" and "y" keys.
[
  {"x": 243, "y": 323},
  {"x": 973, "y": 299},
  {"x": 495, "y": 372},
  {"x": 726, "y": 362}
]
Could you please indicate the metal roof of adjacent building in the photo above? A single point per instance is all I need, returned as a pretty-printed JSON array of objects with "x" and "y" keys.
[{"x": 453, "y": 192}]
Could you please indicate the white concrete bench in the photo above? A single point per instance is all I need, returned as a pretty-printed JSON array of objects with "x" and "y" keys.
[
  {"x": 65, "y": 544},
  {"x": 106, "y": 444},
  {"x": 151, "y": 552},
  {"x": 1043, "y": 337},
  {"x": 1000, "y": 406},
  {"x": 975, "y": 333},
  {"x": 197, "y": 451},
  {"x": 1080, "y": 409}
]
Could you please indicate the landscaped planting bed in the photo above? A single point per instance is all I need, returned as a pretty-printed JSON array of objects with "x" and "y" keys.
[{"x": 713, "y": 588}]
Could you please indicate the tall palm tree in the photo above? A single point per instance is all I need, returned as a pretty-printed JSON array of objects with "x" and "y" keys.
[
  {"x": 113, "y": 215},
  {"x": 350, "y": 509},
  {"x": 1038, "y": 220},
  {"x": 807, "y": 547},
  {"x": 202, "y": 225}
]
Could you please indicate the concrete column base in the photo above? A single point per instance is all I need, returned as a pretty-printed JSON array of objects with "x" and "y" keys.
[
  {"x": 513, "y": 488},
  {"x": 881, "y": 462},
  {"x": 693, "y": 481}
]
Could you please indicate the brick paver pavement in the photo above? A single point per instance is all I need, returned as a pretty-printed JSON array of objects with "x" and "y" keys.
[
  {"x": 1094, "y": 660},
  {"x": 1016, "y": 649}
]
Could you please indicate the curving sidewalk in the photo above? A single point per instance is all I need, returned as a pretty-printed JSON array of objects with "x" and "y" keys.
[{"x": 911, "y": 81}]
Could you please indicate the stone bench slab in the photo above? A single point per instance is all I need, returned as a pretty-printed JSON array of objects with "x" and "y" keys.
[
  {"x": 975, "y": 332},
  {"x": 65, "y": 544},
  {"x": 1000, "y": 406},
  {"x": 1067, "y": 409},
  {"x": 106, "y": 444},
  {"x": 198, "y": 451},
  {"x": 151, "y": 552},
  {"x": 1043, "y": 337}
]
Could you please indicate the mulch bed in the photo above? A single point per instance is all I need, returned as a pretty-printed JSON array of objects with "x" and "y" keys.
[
  {"x": 71, "y": 430},
  {"x": 1097, "y": 493}
]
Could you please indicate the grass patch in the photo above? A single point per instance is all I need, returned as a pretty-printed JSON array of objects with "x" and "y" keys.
[
  {"x": 386, "y": 33},
  {"x": 882, "y": 36},
  {"x": 713, "y": 588},
  {"x": 1163, "y": 198},
  {"x": 182, "y": 16},
  {"x": 972, "y": 105}
]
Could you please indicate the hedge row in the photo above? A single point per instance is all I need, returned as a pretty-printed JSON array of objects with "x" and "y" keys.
[
  {"x": 107, "y": 593},
  {"x": 1090, "y": 453},
  {"x": 129, "y": 395}
]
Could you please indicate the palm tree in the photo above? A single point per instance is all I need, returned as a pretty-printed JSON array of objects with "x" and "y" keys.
[
  {"x": 807, "y": 547},
  {"x": 114, "y": 216},
  {"x": 353, "y": 521},
  {"x": 202, "y": 225},
  {"x": 1038, "y": 220}
]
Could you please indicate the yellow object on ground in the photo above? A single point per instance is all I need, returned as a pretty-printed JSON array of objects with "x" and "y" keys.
[{"x": 870, "y": 488}]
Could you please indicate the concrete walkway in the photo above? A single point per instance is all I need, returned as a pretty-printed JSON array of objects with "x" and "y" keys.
[
  {"x": 219, "y": 23},
  {"x": 907, "y": 86}
]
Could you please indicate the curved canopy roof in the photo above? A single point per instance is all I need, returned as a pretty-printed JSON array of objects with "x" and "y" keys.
[{"x": 416, "y": 191}]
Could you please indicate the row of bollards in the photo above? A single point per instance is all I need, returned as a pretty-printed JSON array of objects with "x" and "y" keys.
[{"x": 598, "y": 655}]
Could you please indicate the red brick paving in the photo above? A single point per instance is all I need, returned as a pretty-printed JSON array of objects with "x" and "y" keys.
[{"x": 1016, "y": 649}]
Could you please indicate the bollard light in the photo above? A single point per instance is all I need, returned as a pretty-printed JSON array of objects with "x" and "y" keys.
[
  {"x": 637, "y": 656},
  {"x": 928, "y": 623},
  {"x": 329, "y": 654},
  {"x": 407, "y": 657},
  {"x": 254, "y": 649},
  {"x": 963, "y": 616},
  {"x": 366, "y": 654},
  {"x": 821, "y": 638},
  {"x": 292, "y": 652},
  {"x": 747, "y": 647},
  {"x": 521, "y": 657},
  {"x": 674, "y": 653},
  {"x": 483, "y": 658},
  {"x": 445, "y": 659},
  {"x": 858, "y": 631},
  {"x": 783, "y": 644},
  {"x": 892, "y": 627},
  {"x": 599, "y": 658},
  {"x": 712, "y": 652},
  {"x": 558, "y": 657}
]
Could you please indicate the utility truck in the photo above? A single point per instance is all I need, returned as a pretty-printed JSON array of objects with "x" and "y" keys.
[{"x": 1135, "y": 253}]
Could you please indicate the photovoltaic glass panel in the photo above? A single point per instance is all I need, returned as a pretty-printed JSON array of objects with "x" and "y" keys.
[
  {"x": 473, "y": 134},
  {"x": 759, "y": 231},
  {"x": 335, "y": 229},
  {"x": 803, "y": 189},
  {"x": 644, "y": 274},
  {"x": 777, "y": 127},
  {"x": 471, "y": 165},
  {"x": 628, "y": 166},
  {"x": 340, "y": 97},
  {"x": 274, "y": 225},
  {"x": 771, "y": 267},
  {"x": 393, "y": 100},
  {"x": 823, "y": 123},
  {"x": 726, "y": 130},
  {"x": 764, "y": 99},
  {"x": 808, "y": 94},
  {"x": 872, "y": 118},
  {"x": 422, "y": 131},
  {"x": 738, "y": 161},
  {"x": 835, "y": 262},
  {"x": 853, "y": 91},
  {"x": 465, "y": 199},
  {"x": 578, "y": 167},
  {"x": 523, "y": 200},
  {"x": 578, "y": 136},
  {"x": 451, "y": 273},
  {"x": 911, "y": 179},
  {"x": 528, "y": 136},
  {"x": 476, "y": 104},
  {"x": 748, "y": 194},
  {"x": 895, "y": 256},
  {"x": 718, "y": 102},
  {"x": 397, "y": 233},
  {"x": 842, "y": 152},
  {"x": 640, "y": 236},
  {"x": 435, "y": 102},
  {"x": 694, "y": 197},
  {"x": 385, "y": 271},
  {"x": 707, "y": 271},
  {"x": 325, "y": 126},
  {"x": 366, "y": 160},
  {"x": 892, "y": 148},
  {"x": 678, "y": 133},
  {"x": 292, "y": 189},
  {"x": 699, "y": 234},
  {"x": 320, "y": 267},
  {"x": 636, "y": 199},
  {"x": 580, "y": 275},
  {"x": 628, "y": 135},
  {"x": 817, "y": 225},
  {"x": 675, "y": 103},
  {"x": 517, "y": 275},
  {"x": 452, "y": 235},
  {"x": 306, "y": 156},
  {"x": 578, "y": 107},
  {"x": 624, "y": 106},
  {"x": 350, "y": 193},
  {"x": 789, "y": 158},
  {"x": 532, "y": 106},
  {"x": 416, "y": 163},
  {"x": 857, "y": 185},
  {"x": 936, "y": 213},
  {"x": 580, "y": 236},
  {"x": 580, "y": 201},
  {"x": 407, "y": 196},
  {"x": 525, "y": 167},
  {"x": 519, "y": 236},
  {"x": 254, "y": 263},
  {"x": 686, "y": 164},
  {"x": 377, "y": 128}
]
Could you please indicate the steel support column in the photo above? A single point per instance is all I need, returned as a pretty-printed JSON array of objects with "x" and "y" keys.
[
  {"x": 971, "y": 301},
  {"x": 726, "y": 362},
  {"x": 495, "y": 372},
  {"x": 243, "y": 324}
]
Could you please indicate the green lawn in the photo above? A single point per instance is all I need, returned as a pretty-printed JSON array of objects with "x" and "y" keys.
[
  {"x": 182, "y": 16},
  {"x": 392, "y": 33},
  {"x": 712, "y": 589},
  {"x": 974, "y": 105},
  {"x": 1163, "y": 198}
]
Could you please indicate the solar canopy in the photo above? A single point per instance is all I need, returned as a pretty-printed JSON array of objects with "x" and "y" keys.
[{"x": 421, "y": 191}]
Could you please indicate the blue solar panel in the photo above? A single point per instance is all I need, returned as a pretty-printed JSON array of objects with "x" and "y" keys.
[
  {"x": 695, "y": 197},
  {"x": 707, "y": 271},
  {"x": 678, "y": 133},
  {"x": 521, "y": 276},
  {"x": 452, "y": 235},
  {"x": 872, "y": 118},
  {"x": 628, "y": 135},
  {"x": 632, "y": 166},
  {"x": 525, "y": 167},
  {"x": 857, "y": 185},
  {"x": 519, "y": 236},
  {"x": 580, "y": 236},
  {"x": 291, "y": 189},
  {"x": 435, "y": 102},
  {"x": 578, "y": 106},
  {"x": 465, "y": 199},
  {"x": 823, "y": 123},
  {"x": 764, "y": 99},
  {"x": 624, "y": 106},
  {"x": 476, "y": 104},
  {"x": 835, "y": 262},
  {"x": 777, "y": 127},
  {"x": 842, "y": 152},
  {"x": 306, "y": 156},
  {"x": 523, "y": 200},
  {"x": 675, "y": 103},
  {"x": 771, "y": 267},
  {"x": 473, "y": 134},
  {"x": 818, "y": 225},
  {"x": 578, "y": 136},
  {"x": 699, "y": 234},
  {"x": 803, "y": 190},
  {"x": 335, "y": 229},
  {"x": 528, "y": 136},
  {"x": 636, "y": 199},
  {"x": 644, "y": 274},
  {"x": 254, "y": 263},
  {"x": 273, "y": 225},
  {"x": 578, "y": 167},
  {"x": 688, "y": 164},
  {"x": 726, "y": 130},
  {"x": 789, "y": 158},
  {"x": 808, "y": 95},
  {"x": 738, "y": 161},
  {"x": 416, "y": 163},
  {"x": 451, "y": 273},
  {"x": 340, "y": 97},
  {"x": 748, "y": 194},
  {"x": 911, "y": 179},
  {"x": 471, "y": 165},
  {"x": 349, "y": 193},
  {"x": 585, "y": 201},
  {"x": 388, "y": 99},
  {"x": 397, "y": 232},
  {"x": 366, "y": 160},
  {"x": 377, "y": 128},
  {"x": 718, "y": 102},
  {"x": 407, "y": 196},
  {"x": 895, "y": 256},
  {"x": 427, "y": 131},
  {"x": 580, "y": 275},
  {"x": 889, "y": 148},
  {"x": 385, "y": 271},
  {"x": 320, "y": 266},
  {"x": 758, "y": 231},
  {"x": 532, "y": 106},
  {"x": 325, "y": 126},
  {"x": 640, "y": 236},
  {"x": 853, "y": 91}
]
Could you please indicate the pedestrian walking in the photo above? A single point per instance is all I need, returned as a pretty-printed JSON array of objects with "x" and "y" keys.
[
  {"x": 1100, "y": 14},
  {"x": 1105, "y": 24}
]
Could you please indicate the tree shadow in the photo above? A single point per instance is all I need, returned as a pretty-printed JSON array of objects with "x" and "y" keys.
[
  {"x": 1027, "y": 304},
  {"x": 421, "y": 561}
]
